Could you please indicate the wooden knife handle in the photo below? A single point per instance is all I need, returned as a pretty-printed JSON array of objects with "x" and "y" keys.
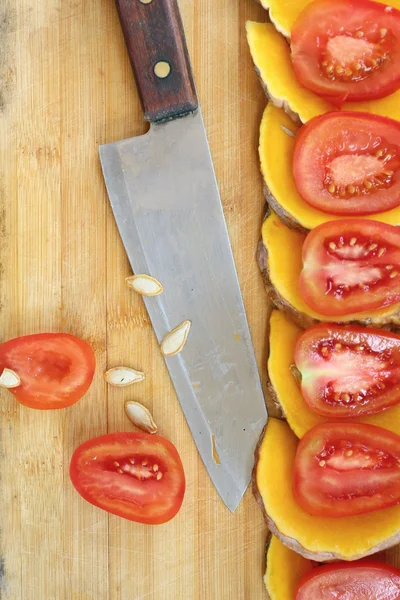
[{"x": 157, "y": 49}]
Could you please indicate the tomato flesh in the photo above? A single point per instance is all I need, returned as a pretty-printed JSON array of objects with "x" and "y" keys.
[
  {"x": 345, "y": 469},
  {"x": 56, "y": 369},
  {"x": 347, "y": 49},
  {"x": 362, "y": 580},
  {"x": 348, "y": 371},
  {"x": 351, "y": 266},
  {"x": 136, "y": 476},
  {"x": 349, "y": 163}
]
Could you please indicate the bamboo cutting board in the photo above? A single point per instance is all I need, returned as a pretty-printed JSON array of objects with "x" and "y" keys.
[{"x": 66, "y": 87}]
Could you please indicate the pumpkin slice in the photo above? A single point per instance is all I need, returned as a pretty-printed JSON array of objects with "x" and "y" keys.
[
  {"x": 284, "y": 13},
  {"x": 316, "y": 538},
  {"x": 285, "y": 391},
  {"x": 276, "y": 160},
  {"x": 279, "y": 258},
  {"x": 271, "y": 56},
  {"x": 285, "y": 568}
]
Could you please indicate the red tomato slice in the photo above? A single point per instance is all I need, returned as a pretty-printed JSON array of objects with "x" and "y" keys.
[
  {"x": 344, "y": 469},
  {"x": 348, "y": 371},
  {"x": 363, "y": 580},
  {"x": 56, "y": 369},
  {"x": 351, "y": 266},
  {"x": 136, "y": 476},
  {"x": 349, "y": 163},
  {"x": 347, "y": 49}
]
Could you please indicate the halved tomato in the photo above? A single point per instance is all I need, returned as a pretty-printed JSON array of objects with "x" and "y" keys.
[
  {"x": 349, "y": 163},
  {"x": 351, "y": 266},
  {"x": 347, "y": 49},
  {"x": 55, "y": 369},
  {"x": 363, "y": 580},
  {"x": 345, "y": 469},
  {"x": 136, "y": 476},
  {"x": 348, "y": 371}
]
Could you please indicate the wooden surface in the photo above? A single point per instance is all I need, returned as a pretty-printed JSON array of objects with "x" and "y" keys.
[{"x": 66, "y": 87}]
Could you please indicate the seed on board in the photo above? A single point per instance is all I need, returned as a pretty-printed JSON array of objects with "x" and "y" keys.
[
  {"x": 9, "y": 379},
  {"x": 140, "y": 416},
  {"x": 175, "y": 340},
  {"x": 122, "y": 376},
  {"x": 145, "y": 285}
]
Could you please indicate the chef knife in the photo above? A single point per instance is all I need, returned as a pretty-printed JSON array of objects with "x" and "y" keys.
[{"x": 166, "y": 203}]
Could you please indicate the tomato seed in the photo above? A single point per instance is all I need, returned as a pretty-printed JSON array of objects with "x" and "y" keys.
[
  {"x": 383, "y": 32},
  {"x": 159, "y": 476},
  {"x": 322, "y": 463},
  {"x": 367, "y": 184},
  {"x": 357, "y": 66},
  {"x": 332, "y": 189},
  {"x": 359, "y": 34},
  {"x": 381, "y": 251},
  {"x": 119, "y": 471},
  {"x": 132, "y": 461},
  {"x": 155, "y": 468},
  {"x": 351, "y": 189},
  {"x": 373, "y": 247},
  {"x": 116, "y": 464},
  {"x": 332, "y": 245},
  {"x": 338, "y": 346},
  {"x": 346, "y": 398},
  {"x": 144, "y": 462},
  {"x": 393, "y": 274},
  {"x": 379, "y": 153},
  {"x": 348, "y": 72},
  {"x": 349, "y": 453}
]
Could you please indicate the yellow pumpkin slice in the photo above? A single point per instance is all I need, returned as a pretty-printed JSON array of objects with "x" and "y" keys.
[
  {"x": 285, "y": 568},
  {"x": 271, "y": 56},
  {"x": 284, "y": 13},
  {"x": 285, "y": 391},
  {"x": 316, "y": 538},
  {"x": 276, "y": 158},
  {"x": 279, "y": 257}
]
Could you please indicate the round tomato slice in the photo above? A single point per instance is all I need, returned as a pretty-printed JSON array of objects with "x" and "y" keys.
[
  {"x": 351, "y": 266},
  {"x": 347, "y": 49},
  {"x": 344, "y": 469},
  {"x": 55, "y": 369},
  {"x": 363, "y": 580},
  {"x": 136, "y": 476},
  {"x": 348, "y": 371},
  {"x": 349, "y": 163}
]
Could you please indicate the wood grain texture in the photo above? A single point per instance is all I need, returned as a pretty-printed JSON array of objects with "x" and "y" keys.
[
  {"x": 154, "y": 34},
  {"x": 66, "y": 86}
]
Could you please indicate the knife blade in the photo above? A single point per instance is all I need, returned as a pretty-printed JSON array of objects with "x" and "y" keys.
[{"x": 166, "y": 203}]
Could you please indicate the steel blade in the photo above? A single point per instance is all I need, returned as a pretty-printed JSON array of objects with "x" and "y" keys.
[{"x": 166, "y": 203}]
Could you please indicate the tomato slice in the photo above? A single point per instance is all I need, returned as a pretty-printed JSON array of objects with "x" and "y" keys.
[
  {"x": 351, "y": 266},
  {"x": 347, "y": 49},
  {"x": 348, "y": 371},
  {"x": 344, "y": 469},
  {"x": 362, "y": 580},
  {"x": 349, "y": 163},
  {"x": 136, "y": 476},
  {"x": 56, "y": 369}
]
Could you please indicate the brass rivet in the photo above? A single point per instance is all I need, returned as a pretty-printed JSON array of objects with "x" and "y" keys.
[
  {"x": 145, "y": 1},
  {"x": 162, "y": 69}
]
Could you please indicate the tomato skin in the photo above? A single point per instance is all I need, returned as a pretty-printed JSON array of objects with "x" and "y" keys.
[
  {"x": 346, "y": 469},
  {"x": 323, "y": 20},
  {"x": 136, "y": 476},
  {"x": 339, "y": 278},
  {"x": 361, "y": 580},
  {"x": 56, "y": 369},
  {"x": 348, "y": 371},
  {"x": 349, "y": 137}
]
